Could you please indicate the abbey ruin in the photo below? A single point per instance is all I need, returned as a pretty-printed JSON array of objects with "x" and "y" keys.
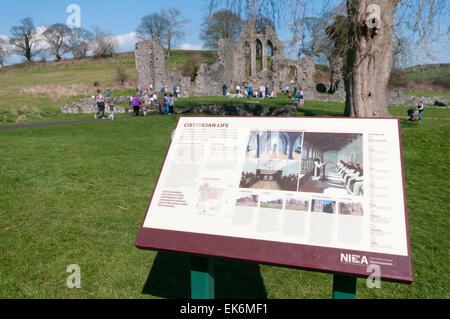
[{"x": 255, "y": 59}]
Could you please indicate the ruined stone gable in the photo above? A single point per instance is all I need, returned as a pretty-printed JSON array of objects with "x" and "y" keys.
[{"x": 255, "y": 59}]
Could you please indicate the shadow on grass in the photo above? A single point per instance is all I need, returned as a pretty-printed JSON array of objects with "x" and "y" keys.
[{"x": 170, "y": 278}]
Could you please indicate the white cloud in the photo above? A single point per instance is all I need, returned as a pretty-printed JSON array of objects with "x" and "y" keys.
[
  {"x": 126, "y": 42},
  {"x": 188, "y": 46},
  {"x": 11, "y": 58}
]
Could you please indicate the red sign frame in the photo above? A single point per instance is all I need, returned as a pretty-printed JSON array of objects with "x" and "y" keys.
[{"x": 325, "y": 259}]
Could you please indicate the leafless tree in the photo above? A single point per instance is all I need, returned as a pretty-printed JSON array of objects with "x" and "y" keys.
[
  {"x": 369, "y": 48},
  {"x": 24, "y": 39},
  {"x": 102, "y": 43},
  {"x": 153, "y": 27},
  {"x": 175, "y": 27},
  {"x": 79, "y": 42},
  {"x": 57, "y": 37},
  {"x": 165, "y": 27},
  {"x": 121, "y": 74},
  {"x": 223, "y": 24}
]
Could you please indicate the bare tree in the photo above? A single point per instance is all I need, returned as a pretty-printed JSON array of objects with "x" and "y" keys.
[
  {"x": 314, "y": 39},
  {"x": 24, "y": 39},
  {"x": 223, "y": 24},
  {"x": 3, "y": 51},
  {"x": 57, "y": 37},
  {"x": 153, "y": 27},
  {"x": 262, "y": 22},
  {"x": 175, "y": 25},
  {"x": 79, "y": 42},
  {"x": 102, "y": 43},
  {"x": 121, "y": 74},
  {"x": 165, "y": 27}
]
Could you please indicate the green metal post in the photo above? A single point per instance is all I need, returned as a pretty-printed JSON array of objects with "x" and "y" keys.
[
  {"x": 344, "y": 287},
  {"x": 202, "y": 277}
]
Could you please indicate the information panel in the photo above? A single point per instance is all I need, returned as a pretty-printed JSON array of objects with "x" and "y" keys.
[{"x": 318, "y": 193}]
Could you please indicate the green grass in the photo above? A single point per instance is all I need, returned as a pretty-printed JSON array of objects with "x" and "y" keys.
[
  {"x": 15, "y": 103},
  {"x": 438, "y": 74},
  {"x": 428, "y": 94},
  {"x": 77, "y": 194}
]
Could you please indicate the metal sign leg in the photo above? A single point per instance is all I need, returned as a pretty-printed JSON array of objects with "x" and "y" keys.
[
  {"x": 202, "y": 277},
  {"x": 344, "y": 287}
]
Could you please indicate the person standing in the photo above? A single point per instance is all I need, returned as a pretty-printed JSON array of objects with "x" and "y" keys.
[
  {"x": 224, "y": 90},
  {"x": 166, "y": 105},
  {"x": 171, "y": 105},
  {"x": 420, "y": 109},
  {"x": 174, "y": 91},
  {"x": 100, "y": 100},
  {"x": 136, "y": 104},
  {"x": 318, "y": 164}
]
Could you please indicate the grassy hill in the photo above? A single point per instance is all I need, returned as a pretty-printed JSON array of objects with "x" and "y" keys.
[
  {"x": 36, "y": 91},
  {"x": 32, "y": 91},
  {"x": 438, "y": 74}
]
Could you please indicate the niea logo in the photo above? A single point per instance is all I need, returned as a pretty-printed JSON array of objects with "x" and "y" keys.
[{"x": 354, "y": 259}]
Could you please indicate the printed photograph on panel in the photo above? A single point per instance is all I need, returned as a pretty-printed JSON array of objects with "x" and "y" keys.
[
  {"x": 323, "y": 206},
  {"x": 275, "y": 145},
  {"x": 271, "y": 201},
  {"x": 247, "y": 199},
  {"x": 296, "y": 203},
  {"x": 332, "y": 164},
  {"x": 270, "y": 174},
  {"x": 351, "y": 208}
]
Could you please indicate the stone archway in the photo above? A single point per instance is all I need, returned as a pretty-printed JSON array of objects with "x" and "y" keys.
[{"x": 292, "y": 75}]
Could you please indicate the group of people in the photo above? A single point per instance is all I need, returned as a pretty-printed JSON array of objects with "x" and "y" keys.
[
  {"x": 142, "y": 100},
  {"x": 165, "y": 104},
  {"x": 262, "y": 92},
  {"x": 176, "y": 90}
]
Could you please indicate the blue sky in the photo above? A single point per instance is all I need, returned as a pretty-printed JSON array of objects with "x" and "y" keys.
[
  {"x": 122, "y": 17},
  {"x": 119, "y": 17}
]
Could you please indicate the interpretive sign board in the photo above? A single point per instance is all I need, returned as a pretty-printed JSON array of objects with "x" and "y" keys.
[{"x": 326, "y": 194}]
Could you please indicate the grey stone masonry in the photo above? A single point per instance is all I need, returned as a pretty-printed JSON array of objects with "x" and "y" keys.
[
  {"x": 256, "y": 59},
  {"x": 88, "y": 106}
]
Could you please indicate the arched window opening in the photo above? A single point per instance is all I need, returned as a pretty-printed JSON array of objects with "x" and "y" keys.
[
  {"x": 259, "y": 56},
  {"x": 248, "y": 59}
]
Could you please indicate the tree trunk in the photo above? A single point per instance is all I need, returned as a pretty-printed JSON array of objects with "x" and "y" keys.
[{"x": 369, "y": 59}]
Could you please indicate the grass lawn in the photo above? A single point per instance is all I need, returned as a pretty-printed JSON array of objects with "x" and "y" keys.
[
  {"x": 77, "y": 194},
  {"x": 36, "y": 92}
]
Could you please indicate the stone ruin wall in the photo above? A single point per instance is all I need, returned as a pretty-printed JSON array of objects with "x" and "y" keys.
[
  {"x": 152, "y": 69},
  {"x": 230, "y": 68}
]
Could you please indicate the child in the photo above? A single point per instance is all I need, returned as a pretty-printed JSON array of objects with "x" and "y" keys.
[
  {"x": 112, "y": 109},
  {"x": 144, "y": 106}
]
